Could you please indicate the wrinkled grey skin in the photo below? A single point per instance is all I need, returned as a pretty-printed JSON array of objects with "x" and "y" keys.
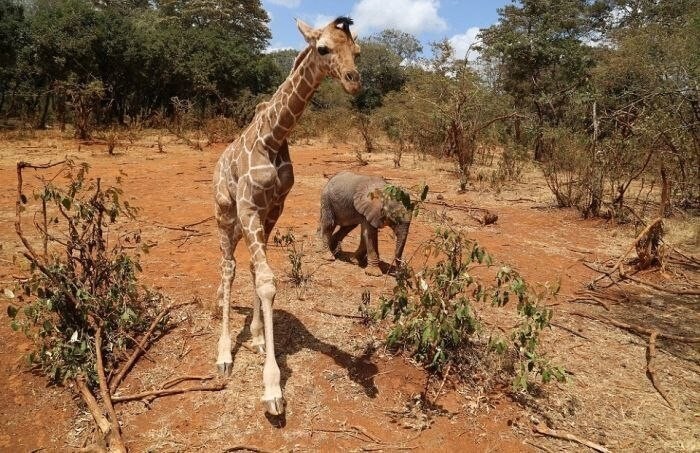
[{"x": 350, "y": 199}]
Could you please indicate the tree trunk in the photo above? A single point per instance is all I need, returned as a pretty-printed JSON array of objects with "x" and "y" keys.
[{"x": 41, "y": 124}]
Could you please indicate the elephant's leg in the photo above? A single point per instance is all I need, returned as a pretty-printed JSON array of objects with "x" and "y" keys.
[
  {"x": 361, "y": 252},
  {"x": 338, "y": 237},
  {"x": 326, "y": 225},
  {"x": 369, "y": 236}
]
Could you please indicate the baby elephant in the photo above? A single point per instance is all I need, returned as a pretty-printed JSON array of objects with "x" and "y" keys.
[{"x": 348, "y": 200}]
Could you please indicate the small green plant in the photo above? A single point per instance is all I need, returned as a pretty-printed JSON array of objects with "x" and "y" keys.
[
  {"x": 298, "y": 275},
  {"x": 433, "y": 312},
  {"x": 534, "y": 317}
]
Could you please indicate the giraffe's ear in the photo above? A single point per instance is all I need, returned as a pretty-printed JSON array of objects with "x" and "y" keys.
[
  {"x": 310, "y": 34},
  {"x": 353, "y": 34}
]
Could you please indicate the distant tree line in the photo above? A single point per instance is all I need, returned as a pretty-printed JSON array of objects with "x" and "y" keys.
[
  {"x": 602, "y": 95},
  {"x": 115, "y": 60}
]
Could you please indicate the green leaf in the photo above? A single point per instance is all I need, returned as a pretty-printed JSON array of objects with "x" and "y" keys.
[
  {"x": 23, "y": 198},
  {"x": 66, "y": 202},
  {"x": 12, "y": 311},
  {"x": 14, "y": 325}
]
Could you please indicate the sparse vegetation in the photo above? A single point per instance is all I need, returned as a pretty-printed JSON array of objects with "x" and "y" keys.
[
  {"x": 434, "y": 316},
  {"x": 82, "y": 304},
  {"x": 298, "y": 275}
]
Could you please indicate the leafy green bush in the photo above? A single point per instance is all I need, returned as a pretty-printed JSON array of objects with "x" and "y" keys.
[
  {"x": 84, "y": 282},
  {"x": 433, "y": 312}
]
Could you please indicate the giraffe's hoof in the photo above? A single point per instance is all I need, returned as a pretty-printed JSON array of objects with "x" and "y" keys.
[
  {"x": 275, "y": 406},
  {"x": 225, "y": 368}
]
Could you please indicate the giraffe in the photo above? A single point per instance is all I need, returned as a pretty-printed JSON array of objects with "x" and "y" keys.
[{"x": 253, "y": 177}]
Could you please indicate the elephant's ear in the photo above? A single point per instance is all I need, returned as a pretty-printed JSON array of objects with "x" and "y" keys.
[{"x": 369, "y": 202}]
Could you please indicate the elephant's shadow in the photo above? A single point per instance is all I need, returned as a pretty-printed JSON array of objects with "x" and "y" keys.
[
  {"x": 291, "y": 336},
  {"x": 349, "y": 257}
]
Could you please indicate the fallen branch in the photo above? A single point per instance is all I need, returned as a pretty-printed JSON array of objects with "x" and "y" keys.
[
  {"x": 93, "y": 407},
  {"x": 618, "y": 264},
  {"x": 590, "y": 298},
  {"x": 340, "y": 315},
  {"x": 651, "y": 352},
  {"x": 571, "y": 331},
  {"x": 678, "y": 292},
  {"x": 116, "y": 443},
  {"x": 568, "y": 436},
  {"x": 166, "y": 392},
  {"x": 637, "y": 329},
  {"x": 247, "y": 448},
  {"x": 141, "y": 346}
]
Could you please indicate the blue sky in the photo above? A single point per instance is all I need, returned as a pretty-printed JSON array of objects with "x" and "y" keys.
[{"x": 428, "y": 20}]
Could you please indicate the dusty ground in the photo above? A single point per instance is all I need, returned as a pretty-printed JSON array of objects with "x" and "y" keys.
[{"x": 335, "y": 386}]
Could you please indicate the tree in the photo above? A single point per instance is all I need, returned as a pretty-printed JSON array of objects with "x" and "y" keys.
[
  {"x": 381, "y": 72},
  {"x": 542, "y": 59},
  {"x": 403, "y": 44}
]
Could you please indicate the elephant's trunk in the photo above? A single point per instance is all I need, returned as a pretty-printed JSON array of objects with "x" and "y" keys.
[{"x": 401, "y": 232}]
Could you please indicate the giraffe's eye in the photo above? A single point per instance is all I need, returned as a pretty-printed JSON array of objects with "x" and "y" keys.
[{"x": 323, "y": 50}]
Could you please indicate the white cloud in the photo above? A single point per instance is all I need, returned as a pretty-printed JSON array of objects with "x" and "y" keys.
[
  {"x": 410, "y": 16},
  {"x": 321, "y": 20},
  {"x": 287, "y": 3},
  {"x": 462, "y": 42}
]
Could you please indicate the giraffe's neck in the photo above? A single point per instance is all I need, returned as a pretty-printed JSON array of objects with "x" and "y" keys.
[{"x": 289, "y": 101}]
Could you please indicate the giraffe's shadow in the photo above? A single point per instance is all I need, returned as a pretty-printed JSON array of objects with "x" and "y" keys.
[{"x": 291, "y": 336}]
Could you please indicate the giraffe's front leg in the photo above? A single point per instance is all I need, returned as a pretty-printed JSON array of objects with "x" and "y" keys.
[{"x": 265, "y": 290}]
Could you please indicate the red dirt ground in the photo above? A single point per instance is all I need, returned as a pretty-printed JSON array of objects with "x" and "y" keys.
[{"x": 332, "y": 387}]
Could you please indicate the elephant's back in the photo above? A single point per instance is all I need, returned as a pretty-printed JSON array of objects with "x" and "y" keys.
[{"x": 339, "y": 193}]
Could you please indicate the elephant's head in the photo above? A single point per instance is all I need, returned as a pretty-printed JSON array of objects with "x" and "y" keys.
[{"x": 382, "y": 210}]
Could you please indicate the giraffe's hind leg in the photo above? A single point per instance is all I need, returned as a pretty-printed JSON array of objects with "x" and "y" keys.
[{"x": 229, "y": 234}]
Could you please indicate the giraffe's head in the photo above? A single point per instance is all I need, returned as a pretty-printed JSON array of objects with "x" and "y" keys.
[{"x": 337, "y": 48}]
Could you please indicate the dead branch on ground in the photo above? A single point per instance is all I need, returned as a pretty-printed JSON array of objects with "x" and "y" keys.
[
  {"x": 165, "y": 392},
  {"x": 638, "y": 329},
  {"x": 651, "y": 352},
  {"x": 116, "y": 440},
  {"x": 571, "y": 437},
  {"x": 650, "y": 235},
  {"x": 486, "y": 216},
  {"x": 340, "y": 315},
  {"x": 141, "y": 347}
]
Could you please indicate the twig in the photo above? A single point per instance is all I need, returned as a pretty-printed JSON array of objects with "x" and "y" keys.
[
  {"x": 177, "y": 380},
  {"x": 187, "y": 227},
  {"x": 590, "y": 298},
  {"x": 340, "y": 315},
  {"x": 571, "y": 331},
  {"x": 142, "y": 345},
  {"x": 637, "y": 329},
  {"x": 166, "y": 392},
  {"x": 442, "y": 384},
  {"x": 568, "y": 436},
  {"x": 651, "y": 352},
  {"x": 247, "y": 448},
  {"x": 116, "y": 442}
]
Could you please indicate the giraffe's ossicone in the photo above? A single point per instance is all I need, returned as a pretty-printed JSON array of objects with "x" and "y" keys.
[{"x": 253, "y": 177}]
